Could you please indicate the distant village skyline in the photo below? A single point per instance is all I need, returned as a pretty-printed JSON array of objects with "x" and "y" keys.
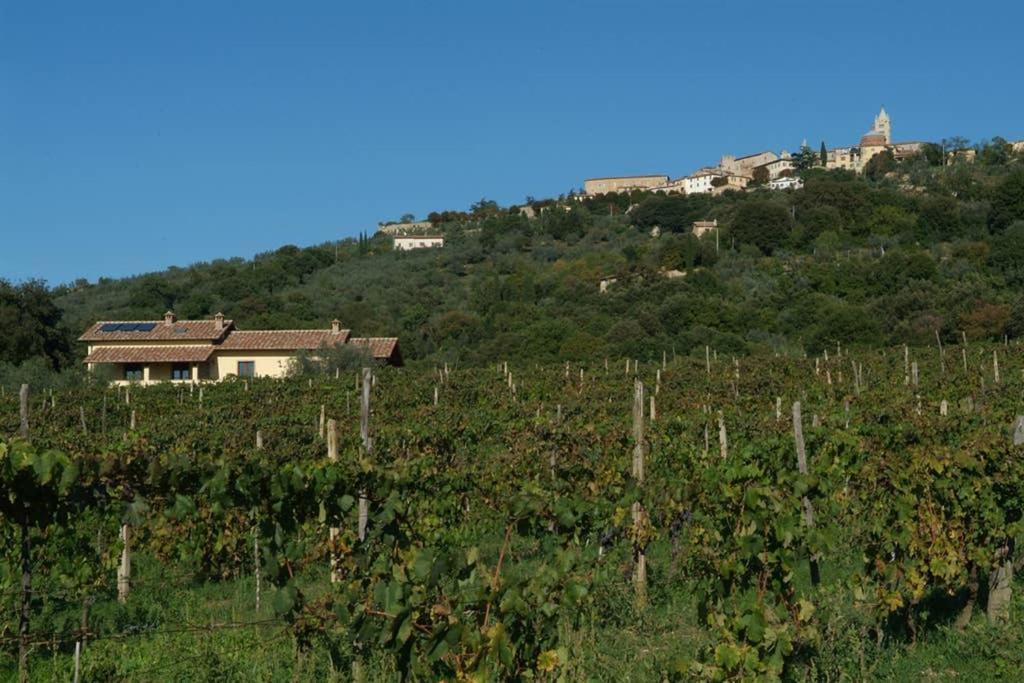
[{"x": 736, "y": 173}]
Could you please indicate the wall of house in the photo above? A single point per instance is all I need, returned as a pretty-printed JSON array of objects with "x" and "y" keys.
[
  {"x": 268, "y": 363},
  {"x": 158, "y": 372}
]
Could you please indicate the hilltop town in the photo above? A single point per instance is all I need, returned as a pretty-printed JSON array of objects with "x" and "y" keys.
[
  {"x": 875, "y": 154},
  {"x": 779, "y": 171}
]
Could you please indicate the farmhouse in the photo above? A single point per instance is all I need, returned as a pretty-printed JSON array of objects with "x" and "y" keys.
[
  {"x": 700, "y": 228},
  {"x": 172, "y": 350}
]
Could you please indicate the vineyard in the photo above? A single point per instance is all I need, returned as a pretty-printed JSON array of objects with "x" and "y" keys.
[{"x": 702, "y": 517}]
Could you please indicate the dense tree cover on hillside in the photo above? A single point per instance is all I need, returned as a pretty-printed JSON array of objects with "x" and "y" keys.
[{"x": 888, "y": 258}]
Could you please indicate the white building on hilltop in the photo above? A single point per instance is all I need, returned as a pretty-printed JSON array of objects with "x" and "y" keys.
[
  {"x": 410, "y": 242},
  {"x": 786, "y": 183}
]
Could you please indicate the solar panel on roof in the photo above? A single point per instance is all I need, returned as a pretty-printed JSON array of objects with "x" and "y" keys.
[
  {"x": 145, "y": 327},
  {"x": 127, "y": 327},
  {"x": 110, "y": 327}
]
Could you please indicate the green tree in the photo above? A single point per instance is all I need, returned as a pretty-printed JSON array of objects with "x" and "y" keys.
[
  {"x": 880, "y": 164},
  {"x": 484, "y": 208},
  {"x": 805, "y": 159},
  {"x": 759, "y": 176},
  {"x": 994, "y": 152},
  {"x": 764, "y": 224},
  {"x": 31, "y": 324},
  {"x": 1007, "y": 202},
  {"x": 933, "y": 153},
  {"x": 823, "y": 154}
]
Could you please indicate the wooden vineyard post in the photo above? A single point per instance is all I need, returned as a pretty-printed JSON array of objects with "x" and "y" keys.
[
  {"x": 256, "y": 564},
  {"x": 80, "y": 642},
  {"x": 131, "y": 423},
  {"x": 944, "y": 408},
  {"x": 26, "y": 594},
  {"x": 723, "y": 437},
  {"x": 333, "y": 532},
  {"x": 654, "y": 410},
  {"x": 942, "y": 352},
  {"x": 364, "y": 433},
  {"x": 81, "y": 417},
  {"x": 995, "y": 366},
  {"x": 913, "y": 373},
  {"x": 124, "y": 569},
  {"x": 963, "y": 354},
  {"x": 707, "y": 359},
  {"x": 322, "y": 424},
  {"x": 1000, "y": 582},
  {"x": 1000, "y": 585},
  {"x": 332, "y": 440},
  {"x": 638, "y": 513},
  {"x": 906, "y": 367},
  {"x": 778, "y": 408},
  {"x": 801, "y": 462},
  {"x": 435, "y": 395},
  {"x": 23, "y": 401}
]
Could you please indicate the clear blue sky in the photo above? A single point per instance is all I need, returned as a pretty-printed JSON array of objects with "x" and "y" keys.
[{"x": 140, "y": 134}]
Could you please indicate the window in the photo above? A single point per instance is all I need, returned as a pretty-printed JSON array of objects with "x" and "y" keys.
[
  {"x": 181, "y": 371},
  {"x": 246, "y": 368},
  {"x": 133, "y": 371}
]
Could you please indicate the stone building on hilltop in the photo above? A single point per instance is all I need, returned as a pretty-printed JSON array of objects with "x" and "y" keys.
[{"x": 592, "y": 186}]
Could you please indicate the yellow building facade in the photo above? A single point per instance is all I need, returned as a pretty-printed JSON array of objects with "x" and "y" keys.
[{"x": 191, "y": 351}]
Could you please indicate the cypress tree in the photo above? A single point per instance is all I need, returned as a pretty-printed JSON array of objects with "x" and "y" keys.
[{"x": 824, "y": 154}]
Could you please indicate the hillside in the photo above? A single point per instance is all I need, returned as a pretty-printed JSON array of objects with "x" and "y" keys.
[{"x": 844, "y": 260}]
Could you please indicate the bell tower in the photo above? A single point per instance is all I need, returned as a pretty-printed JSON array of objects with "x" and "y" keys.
[{"x": 884, "y": 125}]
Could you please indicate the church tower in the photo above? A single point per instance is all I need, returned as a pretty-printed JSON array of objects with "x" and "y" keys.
[{"x": 884, "y": 125}]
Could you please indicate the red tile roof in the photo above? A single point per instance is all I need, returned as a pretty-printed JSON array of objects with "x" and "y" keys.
[
  {"x": 282, "y": 340},
  {"x": 196, "y": 353},
  {"x": 182, "y": 330},
  {"x": 380, "y": 347}
]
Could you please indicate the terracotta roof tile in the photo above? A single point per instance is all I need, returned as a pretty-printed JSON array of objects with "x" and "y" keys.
[
  {"x": 282, "y": 340},
  {"x": 183, "y": 330},
  {"x": 380, "y": 347},
  {"x": 196, "y": 353}
]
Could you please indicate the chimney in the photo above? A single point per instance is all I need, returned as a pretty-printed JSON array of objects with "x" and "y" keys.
[
  {"x": 335, "y": 326},
  {"x": 169, "y": 318},
  {"x": 219, "y": 319}
]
